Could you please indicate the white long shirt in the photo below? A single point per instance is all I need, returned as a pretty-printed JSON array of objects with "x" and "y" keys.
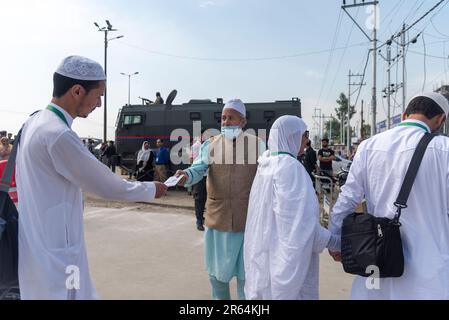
[
  {"x": 52, "y": 168},
  {"x": 283, "y": 236},
  {"x": 377, "y": 173}
]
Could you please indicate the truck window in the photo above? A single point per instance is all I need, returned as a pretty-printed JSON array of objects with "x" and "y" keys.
[{"x": 132, "y": 119}]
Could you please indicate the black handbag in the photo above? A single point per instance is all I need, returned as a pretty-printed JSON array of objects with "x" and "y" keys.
[
  {"x": 368, "y": 242},
  {"x": 9, "y": 279}
]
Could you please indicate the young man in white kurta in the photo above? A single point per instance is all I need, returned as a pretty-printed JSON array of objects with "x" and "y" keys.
[
  {"x": 377, "y": 173},
  {"x": 53, "y": 167}
]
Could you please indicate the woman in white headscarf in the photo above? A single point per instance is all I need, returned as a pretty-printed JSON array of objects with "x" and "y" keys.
[
  {"x": 283, "y": 236},
  {"x": 145, "y": 159}
]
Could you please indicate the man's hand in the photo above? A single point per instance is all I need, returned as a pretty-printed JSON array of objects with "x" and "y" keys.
[
  {"x": 161, "y": 189},
  {"x": 335, "y": 255},
  {"x": 184, "y": 177}
]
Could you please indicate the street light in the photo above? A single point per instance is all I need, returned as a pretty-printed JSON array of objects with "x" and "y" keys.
[
  {"x": 106, "y": 30},
  {"x": 129, "y": 84}
]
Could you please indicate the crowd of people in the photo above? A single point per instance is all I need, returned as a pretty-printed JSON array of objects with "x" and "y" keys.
[{"x": 256, "y": 202}]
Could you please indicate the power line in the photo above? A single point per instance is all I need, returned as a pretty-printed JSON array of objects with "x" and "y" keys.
[
  {"x": 438, "y": 31},
  {"x": 397, "y": 35},
  {"x": 425, "y": 64},
  {"x": 423, "y": 16},
  {"x": 413, "y": 11},
  {"x": 396, "y": 7},
  {"x": 295, "y": 55},
  {"x": 330, "y": 57},
  {"x": 431, "y": 82},
  {"x": 337, "y": 73},
  {"x": 363, "y": 77},
  {"x": 428, "y": 55}
]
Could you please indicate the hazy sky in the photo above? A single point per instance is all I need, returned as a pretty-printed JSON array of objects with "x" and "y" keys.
[{"x": 256, "y": 50}]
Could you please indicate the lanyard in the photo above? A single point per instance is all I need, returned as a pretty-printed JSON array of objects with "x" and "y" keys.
[
  {"x": 279, "y": 153},
  {"x": 414, "y": 124},
  {"x": 58, "y": 113}
]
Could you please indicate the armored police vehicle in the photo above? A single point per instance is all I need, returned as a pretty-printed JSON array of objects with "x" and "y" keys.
[{"x": 149, "y": 122}]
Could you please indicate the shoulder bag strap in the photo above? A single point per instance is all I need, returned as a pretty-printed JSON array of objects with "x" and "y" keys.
[{"x": 401, "y": 201}]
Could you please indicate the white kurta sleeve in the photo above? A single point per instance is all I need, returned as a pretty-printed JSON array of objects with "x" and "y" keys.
[
  {"x": 75, "y": 163},
  {"x": 351, "y": 194},
  {"x": 299, "y": 234}
]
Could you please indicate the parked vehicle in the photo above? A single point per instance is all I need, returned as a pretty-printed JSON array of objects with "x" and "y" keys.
[
  {"x": 340, "y": 164},
  {"x": 138, "y": 123}
]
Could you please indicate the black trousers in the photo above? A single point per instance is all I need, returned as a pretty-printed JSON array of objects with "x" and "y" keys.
[
  {"x": 112, "y": 162},
  {"x": 200, "y": 195},
  {"x": 146, "y": 174}
]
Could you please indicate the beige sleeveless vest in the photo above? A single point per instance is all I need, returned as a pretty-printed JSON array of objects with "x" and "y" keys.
[{"x": 229, "y": 181}]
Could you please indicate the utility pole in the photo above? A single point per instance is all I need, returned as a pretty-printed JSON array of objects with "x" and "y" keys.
[
  {"x": 350, "y": 84},
  {"x": 129, "y": 84},
  {"x": 330, "y": 125},
  {"x": 404, "y": 44},
  {"x": 362, "y": 131},
  {"x": 341, "y": 130},
  {"x": 320, "y": 132},
  {"x": 374, "y": 90},
  {"x": 387, "y": 90},
  {"x": 106, "y": 30},
  {"x": 391, "y": 88},
  {"x": 374, "y": 52},
  {"x": 404, "y": 89},
  {"x": 321, "y": 126}
]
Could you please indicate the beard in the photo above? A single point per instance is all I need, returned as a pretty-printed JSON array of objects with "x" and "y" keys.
[{"x": 84, "y": 112}]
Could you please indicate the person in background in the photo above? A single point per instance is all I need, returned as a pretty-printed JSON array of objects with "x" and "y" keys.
[
  {"x": 159, "y": 99},
  {"x": 111, "y": 155},
  {"x": 326, "y": 155},
  {"x": 310, "y": 161},
  {"x": 144, "y": 166},
  {"x": 5, "y": 148},
  {"x": 162, "y": 161},
  {"x": 90, "y": 145},
  {"x": 199, "y": 190}
]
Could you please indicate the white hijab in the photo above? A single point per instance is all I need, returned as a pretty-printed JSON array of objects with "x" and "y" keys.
[
  {"x": 143, "y": 155},
  {"x": 286, "y": 134}
]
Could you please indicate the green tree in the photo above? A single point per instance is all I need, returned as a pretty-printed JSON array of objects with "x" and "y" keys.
[
  {"x": 342, "y": 112},
  {"x": 335, "y": 130},
  {"x": 367, "y": 131}
]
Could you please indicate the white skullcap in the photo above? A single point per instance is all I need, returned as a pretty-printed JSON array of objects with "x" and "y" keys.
[
  {"x": 81, "y": 68},
  {"x": 438, "y": 98},
  {"x": 237, "y": 105}
]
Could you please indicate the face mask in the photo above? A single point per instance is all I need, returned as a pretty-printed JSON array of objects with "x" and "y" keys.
[{"x": 231, "y": 132}]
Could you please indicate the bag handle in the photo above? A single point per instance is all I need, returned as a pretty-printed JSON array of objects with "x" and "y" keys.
[
  {"x": 6, "y": 179},
  {"x": 412, "y": 171}
]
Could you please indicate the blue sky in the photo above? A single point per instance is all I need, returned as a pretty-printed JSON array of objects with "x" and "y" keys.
[{"x": 256, "y": 50}]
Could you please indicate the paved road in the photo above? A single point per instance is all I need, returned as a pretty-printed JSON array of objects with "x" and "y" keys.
[{"x": 158, "y": 254}]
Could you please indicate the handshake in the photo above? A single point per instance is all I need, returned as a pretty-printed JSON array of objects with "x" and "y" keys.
[{"x": 179, "y": 178}]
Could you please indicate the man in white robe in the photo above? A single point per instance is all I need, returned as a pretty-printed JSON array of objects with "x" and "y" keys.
[
  {"x": 377, "y": 173},
  {"x": 283, "y": 235},
  {"x": 53, "y": 167}
]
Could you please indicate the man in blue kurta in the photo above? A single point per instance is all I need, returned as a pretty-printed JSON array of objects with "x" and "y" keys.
[{"x": 231, "y": 158}]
